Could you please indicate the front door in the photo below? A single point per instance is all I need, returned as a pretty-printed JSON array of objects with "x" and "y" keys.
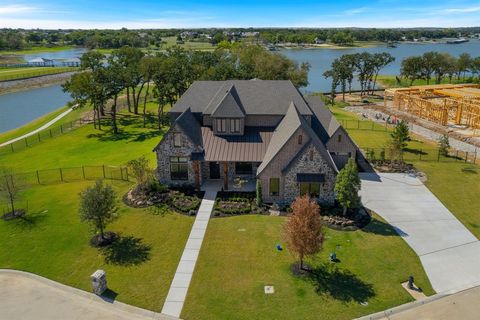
[{"x": 214, "y": 170}]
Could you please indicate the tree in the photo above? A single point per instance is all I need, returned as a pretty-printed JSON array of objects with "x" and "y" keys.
[
  {"x": 399, "y": 139},
  {"x": 411, "y": 68},
  {"x": 464, "y": 63},
  {"x": 303, "y": 229},
  {"x": 129, "y": 60},
  {"x": 97, "y": 206},
  {"x": 443, "y": 145},
  {"x": 347, "y": 186},
  {"x": 258, "y": 199},
  {"x": 380, "y": 60},
  {"x": 141, "y": 170},
  {"x": 9, "y": 188}
]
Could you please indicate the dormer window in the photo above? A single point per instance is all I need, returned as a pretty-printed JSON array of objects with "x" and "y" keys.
[
  {"x": 221, "y": 125},
  {"x": 235, "y": 125}
]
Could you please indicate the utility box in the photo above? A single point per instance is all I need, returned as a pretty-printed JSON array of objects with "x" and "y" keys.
[{"x": 99, "y": 282}]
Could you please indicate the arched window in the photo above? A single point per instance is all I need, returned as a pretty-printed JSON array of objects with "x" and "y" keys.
[{"x": 300, "y": 139}]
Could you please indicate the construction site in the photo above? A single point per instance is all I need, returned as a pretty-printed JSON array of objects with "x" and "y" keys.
[{"x": 455, "y": 107}]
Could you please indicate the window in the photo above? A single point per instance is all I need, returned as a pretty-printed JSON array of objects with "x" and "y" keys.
[
  {"x": 179, "y": 168},
  {"x": 235, "y": 125},
  {"x": 300, "y": 139},
  {"x": 311, "y": 155},
  {"x": 274, "y": 186},
  {"x": 177, "y": 140},
  {"x": 243, "y": 168},
  {"x": 221, "y": 125},
  {"x": 339, "y": 138},
  {"x": 313, "y": 189}
]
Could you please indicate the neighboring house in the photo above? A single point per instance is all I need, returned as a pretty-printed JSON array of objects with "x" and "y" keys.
[{"x": 255, "y": 129}]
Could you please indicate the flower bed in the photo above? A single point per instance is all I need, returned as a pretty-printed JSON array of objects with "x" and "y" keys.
[
  {"x": 233, "y": 206},
  {"x": 184, "y": 203},
  {"x": 354, "y": 219}
]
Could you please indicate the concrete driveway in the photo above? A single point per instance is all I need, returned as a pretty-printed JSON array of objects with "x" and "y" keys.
[
  {"x": 450, "y": 254},
  {"x": 25, "y": 296}
]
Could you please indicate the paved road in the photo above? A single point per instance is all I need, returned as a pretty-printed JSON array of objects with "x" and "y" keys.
[
  {"x": 181, "y": 281},
  {"x": 449, "y": 252},
  {"x": 45, "y": 126},
  {"x": 25, "y": 296}
]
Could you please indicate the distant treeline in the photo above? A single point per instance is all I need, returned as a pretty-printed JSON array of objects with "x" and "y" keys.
[{"x": 17, "y": 39}]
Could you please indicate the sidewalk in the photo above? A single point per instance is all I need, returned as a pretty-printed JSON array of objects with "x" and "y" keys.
[{"x": 181, "y": 281}]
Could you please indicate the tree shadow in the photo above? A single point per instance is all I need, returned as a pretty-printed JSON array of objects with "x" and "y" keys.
[
  {"x": 340, "y": 284},
  {"x": 415, "y": 151},
  {"x": 471, "y": 170},
  {"x": 29, "y": 220},
  {"x": 382, "y": 228},
  {"x": 127, "y": 251}
]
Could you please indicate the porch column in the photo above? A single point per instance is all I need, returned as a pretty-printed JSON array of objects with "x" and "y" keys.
[
  {"x": 225, "y": 176},
  {"x": 196, "y": 170}
]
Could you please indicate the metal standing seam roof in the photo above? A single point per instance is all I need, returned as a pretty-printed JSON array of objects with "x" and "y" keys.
[
  {"x": 256, "y": 97},
  {"x": 250, "y": 147}
]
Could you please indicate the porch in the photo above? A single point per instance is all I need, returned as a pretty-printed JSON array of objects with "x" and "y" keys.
[
  {"x": 229, "y": 176},
  {"x": 240, "y": 184}
]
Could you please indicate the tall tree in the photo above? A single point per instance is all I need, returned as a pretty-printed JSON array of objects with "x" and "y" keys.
[
  {"x": 464, "y": 63},
  {"x": 347, "y": 186},
  {"x": 303, "y": 229},
  {"x": 128, "y": 60},
  {"x": 412, "y": 68}
]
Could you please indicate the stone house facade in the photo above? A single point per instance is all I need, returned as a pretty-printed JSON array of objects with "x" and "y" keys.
[{"x": 254, "y": 130}]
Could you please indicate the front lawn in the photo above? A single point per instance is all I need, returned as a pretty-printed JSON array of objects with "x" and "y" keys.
[
  {"x": 239, "y": 257},
  {"x": 52, "y": 242}
]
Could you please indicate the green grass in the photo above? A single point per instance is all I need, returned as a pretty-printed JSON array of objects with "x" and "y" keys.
[
  {"x": 193, "y": 45},
  {"x": 89, "y": 146},
  {"x": 52, "y": 242},
  {"x": 389, "y": 81},
  {"x": 24, "y": 73},
  {"x": 234, "y": 266},
  {"x": 35, "y": 49}
]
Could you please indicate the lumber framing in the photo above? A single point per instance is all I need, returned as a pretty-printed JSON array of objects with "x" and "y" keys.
[{"x": 442, "y": 104}]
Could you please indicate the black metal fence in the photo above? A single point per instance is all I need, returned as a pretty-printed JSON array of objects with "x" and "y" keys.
[
  {"x": 364, "y": 125},
  {"x": 42, "y": 136},
  {"x": 72, "y": 174},
  {"x": 411, "y": 155}
]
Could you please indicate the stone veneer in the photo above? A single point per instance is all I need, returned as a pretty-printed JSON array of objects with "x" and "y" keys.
[
  {"x": 303, "y": 164},
  {"x": 166, "y": 149}
]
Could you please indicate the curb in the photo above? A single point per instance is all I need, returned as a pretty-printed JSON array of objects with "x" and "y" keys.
[{"x": 119, "y": 306}]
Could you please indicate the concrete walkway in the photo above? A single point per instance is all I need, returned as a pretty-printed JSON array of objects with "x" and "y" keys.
[
  {"x": 181, "y": 281},
  {"x": 449, "y": 252},
  {"x": 45, "y": 126},
  {"x": 26, "y": 296}
]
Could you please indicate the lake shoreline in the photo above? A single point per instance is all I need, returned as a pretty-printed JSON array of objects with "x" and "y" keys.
[{"x": 12, "y": 86}]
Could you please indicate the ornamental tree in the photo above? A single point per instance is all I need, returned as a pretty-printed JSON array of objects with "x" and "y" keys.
[
  {"x": 303, "y": 230},
  {"x": 97, "y": 206},
  {"x": 347, "y": 186}
]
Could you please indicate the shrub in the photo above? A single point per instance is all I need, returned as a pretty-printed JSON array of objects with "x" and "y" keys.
[
  {"x": 233, "y": 206},
  {"x": 184, "y": 203}
]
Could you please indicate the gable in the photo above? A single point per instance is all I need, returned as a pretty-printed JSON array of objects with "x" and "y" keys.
[{"x": 229, "y": 106}]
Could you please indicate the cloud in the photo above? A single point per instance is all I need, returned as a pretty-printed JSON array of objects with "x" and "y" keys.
[
  {"x": 16, "y": 9},
  {"x": 461, "y": 10},
  {"x": 355, "y": 11}
]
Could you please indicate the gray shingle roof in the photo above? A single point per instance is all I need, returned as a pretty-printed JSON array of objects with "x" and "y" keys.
[
  {"x": 190, "y": 126},
  {"x": 229, "y": 106},
  {"x": 260, "y": 97},
  {"x": 285, "y": 130},
  {"x": 326, "y": 125}
]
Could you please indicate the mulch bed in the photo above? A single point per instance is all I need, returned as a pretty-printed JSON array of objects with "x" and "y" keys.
[
  {"x": 108, "y": 238},
  {"x": 355, "y": 219},
  {"x": 13, "y": 215}
]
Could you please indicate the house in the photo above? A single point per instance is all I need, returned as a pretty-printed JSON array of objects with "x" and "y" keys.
[{"x": 255, "y": 129}]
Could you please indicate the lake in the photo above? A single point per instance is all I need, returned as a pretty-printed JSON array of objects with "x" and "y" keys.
[
  {"x": 56, "y": 55},
  {"x": 321, "y": 59},
  {"x": 19, "y": 108}
]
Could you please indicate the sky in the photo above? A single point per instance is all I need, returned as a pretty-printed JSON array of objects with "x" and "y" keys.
[{"x": 137, "y": 14}]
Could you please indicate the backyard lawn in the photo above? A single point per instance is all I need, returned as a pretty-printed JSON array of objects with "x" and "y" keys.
[
  {"x": 52, "y": 242},
  {"x": 89, "y": 146},
  {"x": 238, "y": 258}
]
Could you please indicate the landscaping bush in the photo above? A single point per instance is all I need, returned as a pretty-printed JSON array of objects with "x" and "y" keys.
[
  {"x": 184, "y": 203},
  {"x": 233, "y": 206}
]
